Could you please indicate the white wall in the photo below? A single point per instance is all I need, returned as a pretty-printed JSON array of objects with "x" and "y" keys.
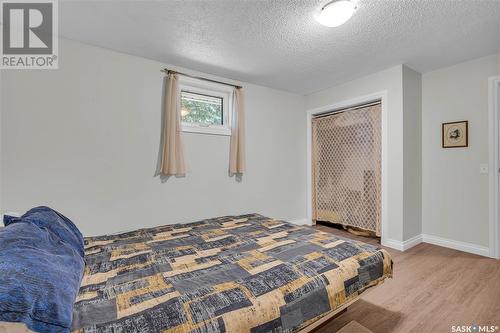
[
  {"x": 454, "y": 194},
  {"x": 84, "y": 139},
  {"x": 389, "y": 80},
  {"x": 412, "y": 147},
  {"x": 1, "y": 183},
  {"x": 403, "y": 87}
]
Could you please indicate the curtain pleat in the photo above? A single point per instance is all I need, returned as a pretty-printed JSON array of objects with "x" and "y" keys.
[
  {"x": 172, "y": 163},
  {"x": 237, "y": 161}
]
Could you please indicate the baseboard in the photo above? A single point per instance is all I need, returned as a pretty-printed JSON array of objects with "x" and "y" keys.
[
  {"x": 436, "y": 240},
  {"x": 409, "y": 243},
  {"x": 392, "y": 243},
  {"x": 402, "y": 246},
  {"x": 457, "y": 245},
  {"x": 423, "y": 238},
  {"x": 303, "y": 221}
]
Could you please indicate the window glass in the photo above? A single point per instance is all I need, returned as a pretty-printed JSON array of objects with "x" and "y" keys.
[{"x": 201, "y": 110}]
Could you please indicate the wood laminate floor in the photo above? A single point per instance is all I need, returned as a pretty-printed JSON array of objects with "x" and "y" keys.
[{"x": 432, "y": 289}]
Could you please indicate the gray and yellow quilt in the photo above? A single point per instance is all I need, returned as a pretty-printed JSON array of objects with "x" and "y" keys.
[{"x": 243, "y": 273}]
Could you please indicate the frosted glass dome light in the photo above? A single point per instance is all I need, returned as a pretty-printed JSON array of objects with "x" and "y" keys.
[{"x": 336, "y": 13}]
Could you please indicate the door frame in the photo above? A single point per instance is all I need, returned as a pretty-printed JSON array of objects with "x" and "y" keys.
[
  {"x": 494, "y": 165},
  {"x": 378, "y": 96}
]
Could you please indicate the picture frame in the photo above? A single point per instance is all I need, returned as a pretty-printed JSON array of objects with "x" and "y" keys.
[{"x": 455, "y": 134}]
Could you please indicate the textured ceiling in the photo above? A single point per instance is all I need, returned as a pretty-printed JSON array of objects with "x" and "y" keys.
[{"x": 277, "y": 43}]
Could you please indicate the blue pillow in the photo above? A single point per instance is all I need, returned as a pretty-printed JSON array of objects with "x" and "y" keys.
[
  {"x": 41, "y": 267},
  {"x": 47, "y": 218},
  {"x": 7, "y": 219}
]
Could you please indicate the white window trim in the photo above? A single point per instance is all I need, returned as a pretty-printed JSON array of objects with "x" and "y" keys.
[{"x": 212, "y": 89}]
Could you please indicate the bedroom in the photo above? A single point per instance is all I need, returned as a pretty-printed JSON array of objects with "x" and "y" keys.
[{"x": 87, "y": 138}]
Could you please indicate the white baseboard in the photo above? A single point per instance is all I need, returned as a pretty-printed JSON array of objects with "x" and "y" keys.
[
  {"x": 457, "y": 245},
  {"x": 392, "y": 243},
  {"x": 436, "y": 240},
  {"x": 303, "y": 221},
  {"x": 409, "y": 243},
  {"x": 402, "y": 246}
]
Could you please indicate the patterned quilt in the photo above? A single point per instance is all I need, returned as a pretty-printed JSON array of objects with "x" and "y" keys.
[{"x": 243, "y": 273}]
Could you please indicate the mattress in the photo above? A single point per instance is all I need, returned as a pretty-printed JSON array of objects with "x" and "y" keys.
[{"x": 245, "y": 273}]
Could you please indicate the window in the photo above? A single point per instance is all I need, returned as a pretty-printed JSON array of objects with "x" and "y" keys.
[
  {"x": 201, "y": 110},
  {"x": 205, "y": 106}
]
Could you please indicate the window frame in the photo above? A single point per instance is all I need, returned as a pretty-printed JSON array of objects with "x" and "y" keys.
[{"x": 201, "y": 87}]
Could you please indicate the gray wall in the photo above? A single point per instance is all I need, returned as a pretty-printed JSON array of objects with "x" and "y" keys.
[
  {"x": 1, "y": 104},
  {"x": 454, "y": 193},
  {"x": 84, "y": 139},
  {"x": 389, "y": 80},
  {"x": 403, "y": 87},
  {"x": 412, "y": 156}
]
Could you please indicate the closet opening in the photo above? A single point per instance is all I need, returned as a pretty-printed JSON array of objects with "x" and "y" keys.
[{"x": 346, "y": 168}]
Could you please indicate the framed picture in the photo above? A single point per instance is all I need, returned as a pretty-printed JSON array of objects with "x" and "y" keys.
[{"x": 455, "y": 134}]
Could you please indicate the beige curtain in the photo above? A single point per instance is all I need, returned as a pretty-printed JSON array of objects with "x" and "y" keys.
[
  {"x": 237, "y": 162},
  {"x": 172, "y": 163}
]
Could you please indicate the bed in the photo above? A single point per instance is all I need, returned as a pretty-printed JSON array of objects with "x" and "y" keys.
[{"x": 245, "y": 273}]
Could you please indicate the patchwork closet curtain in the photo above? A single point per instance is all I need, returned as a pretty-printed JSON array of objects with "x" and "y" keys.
[
  {"x": 346, "y": 155},
  {"x": 172, "y": 162}
]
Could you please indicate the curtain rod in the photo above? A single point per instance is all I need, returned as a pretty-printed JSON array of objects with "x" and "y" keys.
[
  {"x": 352, "y": 108},
  {"x": 169, "y": 71}
]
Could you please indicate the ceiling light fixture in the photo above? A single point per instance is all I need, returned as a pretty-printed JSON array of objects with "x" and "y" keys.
[{"x": 336, "y": 13}]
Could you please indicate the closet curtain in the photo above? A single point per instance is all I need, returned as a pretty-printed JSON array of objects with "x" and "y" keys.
[
  {"x": 346, "y": 155},
  {"x": 237, "y": 161},
  {"x": 172, "y": 163}
]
